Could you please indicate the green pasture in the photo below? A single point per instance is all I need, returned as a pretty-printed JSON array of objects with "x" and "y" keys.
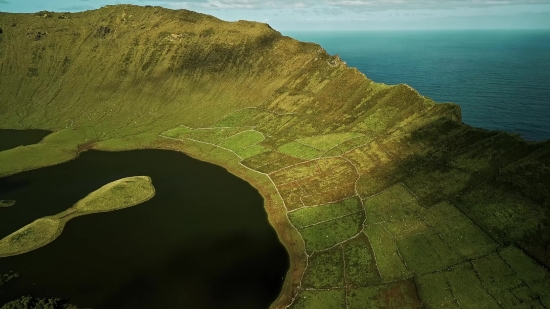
[
  {"x": 291, "y": 193},
  {"x": 398, "y": 294},
  {"x": 504, "y": 215},
  {"x": 467, "y": 288},
  {"x": 262, "y": 159},
  {"x": 325, "y": 270},
  {"x": 301, "y": 151},
  {"x": 327, "y": 141},
  {"x": 321, "y": 299},
  {"x": 377, "y": 180},
  {"x": 440, "y": 212},
  {"x": 213, "y": 135},
  {"x": 251, "y": 151},
  {"x": 348, "y": 145},
  {"x": 394, "y": 195},
  {"x": 178, "y": 132},
  {"x": 242, "y": 140},
  {"x": 427, "y": 252},
  {"x": 433, "y": 184},
  {"x": 330, "y": 195},
  {"x": 435, "y": 292},
  {"x": 499, "y": 279},
  {"x": 389, "y": 263},
  {"x": 297, "y": 172},
  {"x": 327, "y": 234},
  {"x": 311, "y": 215},
  {"x": 465, "y": 238},
  {"x": 361, "y": 269},
  {"x": 241, "y": 118}
]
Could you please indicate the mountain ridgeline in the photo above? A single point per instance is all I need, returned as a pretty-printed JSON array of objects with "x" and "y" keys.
[{"x": 374, "y": 189}]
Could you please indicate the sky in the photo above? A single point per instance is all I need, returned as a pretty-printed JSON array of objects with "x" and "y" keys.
[{"x": 327, "y": 15}]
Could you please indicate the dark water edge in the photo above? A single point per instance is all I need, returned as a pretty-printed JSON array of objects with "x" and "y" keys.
[
  {"x": 13, "y": 138},
  {"x": 203, "y": 241}
]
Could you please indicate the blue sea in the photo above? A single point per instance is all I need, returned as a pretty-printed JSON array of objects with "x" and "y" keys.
[{"x": 500, "y": 78}]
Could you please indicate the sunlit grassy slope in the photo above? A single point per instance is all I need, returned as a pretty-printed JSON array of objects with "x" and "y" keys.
[{"x": 382, "y": 197}]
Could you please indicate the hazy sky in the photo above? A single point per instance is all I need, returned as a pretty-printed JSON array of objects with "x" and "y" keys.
[{"x": 286, "y": 15}]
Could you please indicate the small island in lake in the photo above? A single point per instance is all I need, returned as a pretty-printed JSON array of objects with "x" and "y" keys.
[
  {"x": 119, "y": 194},
  {"x": 7, "y": 203}
]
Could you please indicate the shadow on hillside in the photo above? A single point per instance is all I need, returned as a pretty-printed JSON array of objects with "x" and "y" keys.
[{"x": 495, "y": 178}]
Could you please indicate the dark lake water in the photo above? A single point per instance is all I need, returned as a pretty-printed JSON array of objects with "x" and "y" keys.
[
  {"x": 203, "y": 241},
  {"x": 13, "y": 138}
]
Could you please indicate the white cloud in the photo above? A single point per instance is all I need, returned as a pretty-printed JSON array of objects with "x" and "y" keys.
[{"x": 350, "y": 4}]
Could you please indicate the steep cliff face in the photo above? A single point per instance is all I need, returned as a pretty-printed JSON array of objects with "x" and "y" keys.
[
  {"x": 381, "y": 196},
  {"x": 139, "y": 64}
]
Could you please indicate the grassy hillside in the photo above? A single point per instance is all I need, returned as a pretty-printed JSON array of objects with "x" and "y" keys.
[{"x": 383, "y": 198}]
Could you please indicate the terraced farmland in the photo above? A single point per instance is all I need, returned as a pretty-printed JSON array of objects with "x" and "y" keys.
[{"x": 382, "y": 197}]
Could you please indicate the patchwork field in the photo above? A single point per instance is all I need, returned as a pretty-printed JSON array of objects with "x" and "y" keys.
[{"x": 382, "y": 197}]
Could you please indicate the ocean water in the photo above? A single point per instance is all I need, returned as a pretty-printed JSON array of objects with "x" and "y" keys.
[{"x": 500, "y": 78}]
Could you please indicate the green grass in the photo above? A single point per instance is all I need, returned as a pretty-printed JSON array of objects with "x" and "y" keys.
[
  {"x": 389, "y": 263},
  {"x": 127, "y": 142},
  {"x": 327, "y": 141},
  {"x": 30, "y": 237},
  {"x": 311, "y": 215},
  {"x": 400, "y": 294},
  {"x": 214, "y": 136},
  {"x": 525, "y": 267},
  {"x": 348, "y": 145},
  {"x": 301, "y": 151},
  {"x": 58, "y": 147},
  {"x": 242, "y": 140},
  {"x": 467, "y": 289},
  {"x": 327, "y": 234},
  {"x": 262, "y": 159},
  {"x": 305, "y": 170},
  {"x": 465, "y": 238},
  {"x": 438, "y": 213},
  {"x": 529, "y": 299},
  {"x": 407, "y": 226},
  {"x": 542, "y": 289},
  {"x": 369, "y": 157},
  {"x": 361, "y": 269},
  {"x": 493, "y": 153},
  {"x": 291, "y": 195},
  {"x": 498, "y": 278},
  {"x": 122, "y": 193},
  {"x": 325, "y": 270},
  {"x": 251, "y": 151},
  {"x": 338, "y": 192},
  {"x": 426, "y": 252},
  {"x": 376, "y": 180},
  {"x": 240, "y": 118},
  {"x": 396, "y": 209},
  {"x": 329, "y": 299},
  {"x": 433, "y": 184},
  {"x": 273, "y": 166},
  {"x": 506, "y": 216},
  {"x": 435, "y": 292},
  {"x": 394, "y": 195},
  {"x": 178, "y": 132}
]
